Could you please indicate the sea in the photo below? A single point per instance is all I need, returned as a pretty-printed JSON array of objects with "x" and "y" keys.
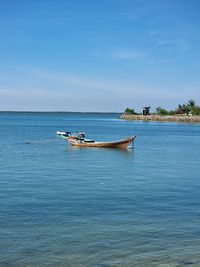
[{"x": 64, "y": 206}]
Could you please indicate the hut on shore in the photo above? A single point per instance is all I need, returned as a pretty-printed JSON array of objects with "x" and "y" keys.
[{"x": 146, "y": 111}]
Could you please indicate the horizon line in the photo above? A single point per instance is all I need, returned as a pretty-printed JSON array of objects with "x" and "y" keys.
[{"x": 34, "y": 111}]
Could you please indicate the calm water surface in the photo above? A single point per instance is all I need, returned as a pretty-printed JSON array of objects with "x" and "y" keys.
[{"x": 64, "y": 206}]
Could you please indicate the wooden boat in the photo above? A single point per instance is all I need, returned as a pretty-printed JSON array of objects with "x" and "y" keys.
[
  {"x": 80, "y": 141},
  {"x": 114, "y": 144}
]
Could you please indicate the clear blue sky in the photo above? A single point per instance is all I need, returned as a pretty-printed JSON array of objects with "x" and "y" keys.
[{"x": 89, "y": 55}]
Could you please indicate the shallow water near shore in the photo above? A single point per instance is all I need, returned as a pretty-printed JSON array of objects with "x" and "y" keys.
[{"x": 89, "y": 207}]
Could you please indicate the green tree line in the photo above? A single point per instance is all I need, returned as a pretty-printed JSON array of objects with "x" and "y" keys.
[
  {"x": 185, "y": 109},
  {"x": 189, "y": 108}
]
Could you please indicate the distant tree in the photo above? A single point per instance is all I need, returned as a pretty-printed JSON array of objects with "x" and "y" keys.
[
  {"x": 190, "y": 106},
  {"x": 191, "y": 103},
  {"x": 129, "y": 111},
  {"x": 182, "y": 109},
  {"x": 171, "y": 112},
  {"x": 161, "y": 111},
  {"x": 195, "y": 110}
]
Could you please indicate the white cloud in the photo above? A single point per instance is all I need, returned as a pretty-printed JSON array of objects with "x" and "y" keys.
[
  {"x": 123, "y": 54},
  {"x": 50, "y": 90},
  {"x": 128, "y": 54},
  {"x": 176, "y": 44},
  {"x": 154, "y": 33}
]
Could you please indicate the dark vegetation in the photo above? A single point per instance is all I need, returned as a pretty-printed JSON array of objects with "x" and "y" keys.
[
  {"x": 189, "y": 108},
  {"x": 129, "y": 111}
]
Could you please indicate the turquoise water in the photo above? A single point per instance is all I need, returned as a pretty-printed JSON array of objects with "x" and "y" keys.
[{"x": 64, "y": 206}]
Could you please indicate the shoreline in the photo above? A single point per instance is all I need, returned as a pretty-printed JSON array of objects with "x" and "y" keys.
[{"x": 172, "y": 118}]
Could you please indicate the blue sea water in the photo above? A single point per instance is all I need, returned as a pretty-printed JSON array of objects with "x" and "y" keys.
[{"x": 66, "y": 206}]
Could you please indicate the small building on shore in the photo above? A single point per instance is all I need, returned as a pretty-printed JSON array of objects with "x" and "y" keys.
[{"x": 146, "y": 111}]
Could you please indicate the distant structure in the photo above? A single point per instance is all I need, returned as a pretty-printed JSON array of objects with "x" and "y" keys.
[{"x": 146, "y": 111}]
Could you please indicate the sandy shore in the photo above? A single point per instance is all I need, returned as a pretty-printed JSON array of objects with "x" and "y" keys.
[{"x": 179, "y": 118}]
